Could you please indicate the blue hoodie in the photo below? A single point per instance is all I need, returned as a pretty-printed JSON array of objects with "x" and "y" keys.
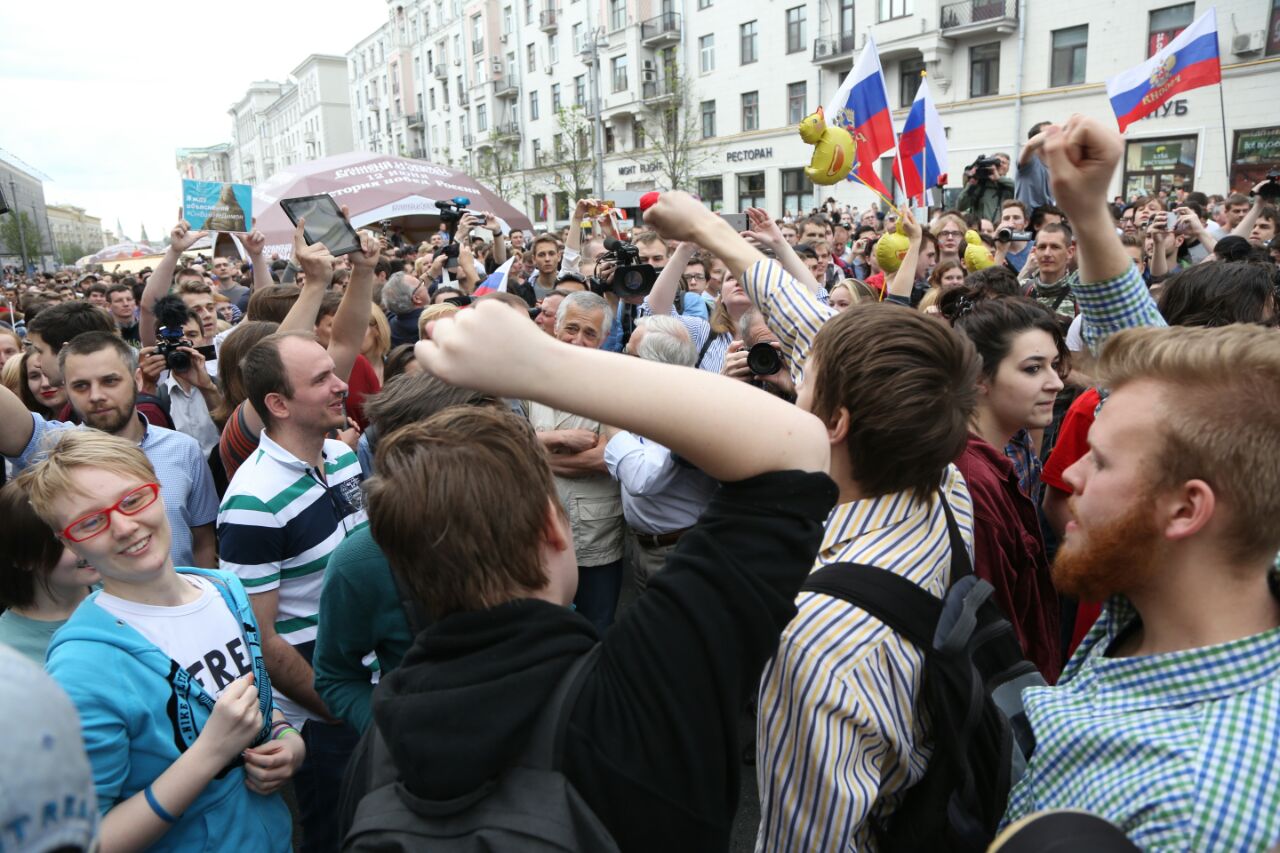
[{"x": 140, "y": 710}]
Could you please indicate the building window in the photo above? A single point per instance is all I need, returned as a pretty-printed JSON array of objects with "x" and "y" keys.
[
  {"x": 750, "y": 111},
  {"x": 890, "y": 9},
  {"x": 617, "y": 14},
  {"x": 909, "y": 81},
  {"x": 553, "y": 50},
  {"x": 795, "y": 29},
  {"x": 750, "y": 191},
  {"x": 707, "y": 53},
  {"x": 557, "y": 146},
  {"x": 555, "y": 98},
  {"x": 747, "y": 34},
  {"x": 704, "y": 4},
  {"x": 580, "y": 90},
  {"x": 711, "y": 190},
  {"x": 533, "y": 106},
  {"x": 477, "y": 34},
  {"x": 1152, "y": 165},
  {"x": 508, "y": 20},
  {"x": 637, "y": 135},
  {"x": 1067, "y": 63},
  {"x": 797, "y": 192},
  {"x": 1165, "y": 24},
  {"x": 619, "y": 67},
  {"x": 609, "y": 141},
  {"x": 797, "y": 96},
  {"x": 1273, "y": 29},
  {"x": 528, "y": 12},
  {"x": 984, "y": 69},
  {"x": 482, "y": 118},
  {"x": 577, "y": 38},
  {"x": 531, "y": 58},
  {"x": 708, "y": 119}
]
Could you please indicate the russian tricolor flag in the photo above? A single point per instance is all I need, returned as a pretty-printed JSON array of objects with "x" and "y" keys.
[
  {"x": 497, "y": 280},
  {"x": 1188, "y": 62},
  {"x": 861, "y": 105},
  {"x": 922, "y": 147}
]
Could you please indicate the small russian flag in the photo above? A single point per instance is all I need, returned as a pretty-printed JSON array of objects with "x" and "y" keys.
[
  {"x": 922, "y": 147},
  {"x": 497, "y": 280}
]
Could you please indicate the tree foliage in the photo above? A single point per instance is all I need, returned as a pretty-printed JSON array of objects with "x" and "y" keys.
[
  {"x": 30, "y": 234},
  {"x": 673, "y": 134}
]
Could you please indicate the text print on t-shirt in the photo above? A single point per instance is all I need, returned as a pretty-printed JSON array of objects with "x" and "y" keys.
[{"x": 214, "y": 665}]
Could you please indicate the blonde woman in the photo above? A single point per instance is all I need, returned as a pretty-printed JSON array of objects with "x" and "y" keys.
[
  {"x": 434, "y": 312},
  {"x": 849, "y": 292},
  {"x": 377, "y": 341}
]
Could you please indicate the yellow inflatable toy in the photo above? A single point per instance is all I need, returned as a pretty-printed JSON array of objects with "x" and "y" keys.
[
  {"x": 891, "y": 249},
  {"x": 832, "y": 149},
  {"x": 976, "y": 255}
]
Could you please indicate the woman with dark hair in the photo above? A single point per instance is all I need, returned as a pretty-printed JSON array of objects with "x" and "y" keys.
[
  {"x": 1024, "y": 360},
  {"x": 41, "y": 580},
  {"x": 1221, "y": 293},
  {"x": 32, "y": 387},
  {"x": 239, "y": 422}
]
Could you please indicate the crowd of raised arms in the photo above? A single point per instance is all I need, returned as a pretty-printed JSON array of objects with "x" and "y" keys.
[{"x": 972, "y": 522}]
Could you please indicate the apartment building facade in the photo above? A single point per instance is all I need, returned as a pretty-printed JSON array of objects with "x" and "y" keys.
[{"x": 509, "y": 89}]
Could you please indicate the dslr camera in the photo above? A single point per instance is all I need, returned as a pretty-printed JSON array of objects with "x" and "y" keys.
[
  {"x": 1270, "y": 191},
  {"x": 631, "y": 279},
  {"x": 763, "y": 359},
  {"x": 983, "y": 169},
  {"x": 174, "y": 347}
]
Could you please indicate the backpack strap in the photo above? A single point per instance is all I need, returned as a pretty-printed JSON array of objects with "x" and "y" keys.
[
  {"x": 545, "y": 749},
  {"x": 702, "y": 353}
]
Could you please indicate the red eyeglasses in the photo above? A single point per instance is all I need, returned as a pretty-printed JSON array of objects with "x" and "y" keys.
[{"x": 89, "y": 526}]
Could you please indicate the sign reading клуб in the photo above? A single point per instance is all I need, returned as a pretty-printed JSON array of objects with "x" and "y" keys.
[
  {"x": 1171, "y": 108},
  {"x": 748, "y": 154}
]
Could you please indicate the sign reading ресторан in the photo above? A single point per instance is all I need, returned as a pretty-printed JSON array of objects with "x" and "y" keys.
[{"x": 746, "y": 154}]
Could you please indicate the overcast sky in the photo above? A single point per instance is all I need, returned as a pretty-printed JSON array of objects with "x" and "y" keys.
[{"x": 97, "y": 96}]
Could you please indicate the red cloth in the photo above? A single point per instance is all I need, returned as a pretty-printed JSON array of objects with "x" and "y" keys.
[
  {"x": 1008, "y": 551},
  {"x": 1072, "y": 445},
  {"x": 876, "y": 281},
  {"x": 363, "y": 381}
]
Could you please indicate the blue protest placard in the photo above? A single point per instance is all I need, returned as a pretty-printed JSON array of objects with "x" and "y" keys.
[{"x": 214, "y": 206}]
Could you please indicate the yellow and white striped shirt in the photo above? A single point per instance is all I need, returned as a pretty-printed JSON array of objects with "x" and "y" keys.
[{"x": 837, "y": 738}]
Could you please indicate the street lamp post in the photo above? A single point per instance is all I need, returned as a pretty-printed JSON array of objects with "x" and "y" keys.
[{"x": 591, "y": 54}]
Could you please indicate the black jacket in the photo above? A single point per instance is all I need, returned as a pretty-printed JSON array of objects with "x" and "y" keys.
[
  {"x": 653, "y": 739},
  {"x": 404, "y": 327}
]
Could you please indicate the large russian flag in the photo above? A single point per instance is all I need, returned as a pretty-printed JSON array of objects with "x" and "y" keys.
[
  {"x": 1188, "y": 62},
  {"x": 861, "y": 105},
  {"x": 922, "y": 147}
]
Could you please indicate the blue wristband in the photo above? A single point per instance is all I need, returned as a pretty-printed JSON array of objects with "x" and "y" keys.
[{"x": 157, "y": 808}]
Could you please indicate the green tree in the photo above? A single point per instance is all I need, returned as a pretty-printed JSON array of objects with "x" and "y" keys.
[
  {"x": 497, "y": 164},
  {"x": 674, "y": 146},
  {"x": 71, "y": 253},
  {"x": 571, "y": 172},
  {"x": 30, "y": 235}
]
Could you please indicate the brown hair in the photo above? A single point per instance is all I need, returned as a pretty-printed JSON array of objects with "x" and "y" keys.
[
  {"x": 29, "y": 549},
  {"x": 271, "y": 304},
  {"x": 51, "y": 478},
  {"x": 263, "y": 372},
  {"x": 1221, "y": 406},
  {"x": 908, "y": 382},
  {"x": 230, "y": 377},
  {"x": 192, "y": 285},
  {"x": 432, "y": 514}
]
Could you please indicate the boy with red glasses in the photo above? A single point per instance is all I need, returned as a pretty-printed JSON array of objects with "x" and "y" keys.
[{"x": 164, "y": 666}]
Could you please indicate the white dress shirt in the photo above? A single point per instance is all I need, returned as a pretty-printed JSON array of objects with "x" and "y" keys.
[{"x": 660, "y": 493}]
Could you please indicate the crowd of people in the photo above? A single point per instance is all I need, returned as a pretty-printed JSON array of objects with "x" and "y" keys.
[{"x": 357, "y": 529}]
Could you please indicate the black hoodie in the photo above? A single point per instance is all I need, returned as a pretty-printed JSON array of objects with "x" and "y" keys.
[{"x": 653, "y": 742}]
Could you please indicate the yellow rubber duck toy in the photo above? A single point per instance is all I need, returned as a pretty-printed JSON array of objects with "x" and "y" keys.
[
  {"x": 891, "y": 249},
  {"x": 833, "y": 149},
  {"x": 976, "y": 255}
]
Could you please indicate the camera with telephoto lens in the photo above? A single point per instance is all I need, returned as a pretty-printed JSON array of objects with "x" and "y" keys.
[
  {"x": 1270, "y": 191},
  {"x": 174, "y": 347},
  {"x": 763, "y": 359},
  {"x": 984, "y": 168},
  {"x": 631, "y": 279},
  {"x": 1008, "y": 235}
]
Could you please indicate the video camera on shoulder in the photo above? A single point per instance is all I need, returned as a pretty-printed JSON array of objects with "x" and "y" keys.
[
  {"x": 451, "y": 210},
  {"x": 631, "y": 279},
  {"x": 1270, "y": 191},
  {"x": 984, "y": 168}
]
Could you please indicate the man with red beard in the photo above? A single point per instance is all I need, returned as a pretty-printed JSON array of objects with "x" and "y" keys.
[{"x": 1164, "y": 721}]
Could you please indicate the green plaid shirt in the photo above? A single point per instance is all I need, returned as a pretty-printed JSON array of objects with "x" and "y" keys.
[{"x": 1178, "y": 750}]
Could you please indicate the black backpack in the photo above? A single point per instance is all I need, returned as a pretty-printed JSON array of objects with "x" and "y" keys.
[
  {"x": 971, "y": 698},
  {"x": 532, "y": 806}
]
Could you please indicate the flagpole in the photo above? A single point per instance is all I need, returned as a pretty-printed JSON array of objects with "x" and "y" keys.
[{"x": 1226, "y": 152}]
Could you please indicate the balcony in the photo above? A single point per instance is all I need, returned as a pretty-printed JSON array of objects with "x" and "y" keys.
[
  {"x": 308, "y": 136},
  {"x": 979, "y": 17},
  {"x": 464, "y": 99},
  {"x": 832, "y": 50},
  {"x": 414, "y": 119},
  {"x": 507, "y": 129},
  {"x": 417, "y": 153},
  {"x": 661, "y": 30},
  {"x": 549, "y": 20},
  {"x": 506, "y": 86},
  {"x": 662, "y": 89},
  {"x": 477, "y": 45},
  {"x": 440, "y": 71},
  {"x": 468, "y": 140}
]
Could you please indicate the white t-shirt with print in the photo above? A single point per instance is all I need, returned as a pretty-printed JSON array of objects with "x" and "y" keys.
[{"x": 204, "y": 637}]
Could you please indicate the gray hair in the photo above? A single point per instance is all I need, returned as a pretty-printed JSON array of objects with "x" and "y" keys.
[
  {"x": 666, "y": 340},
  {"x": 397, "y": 294},
  {"x": 745, "y": 322},
  {"x": 586, "y": 301}
]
